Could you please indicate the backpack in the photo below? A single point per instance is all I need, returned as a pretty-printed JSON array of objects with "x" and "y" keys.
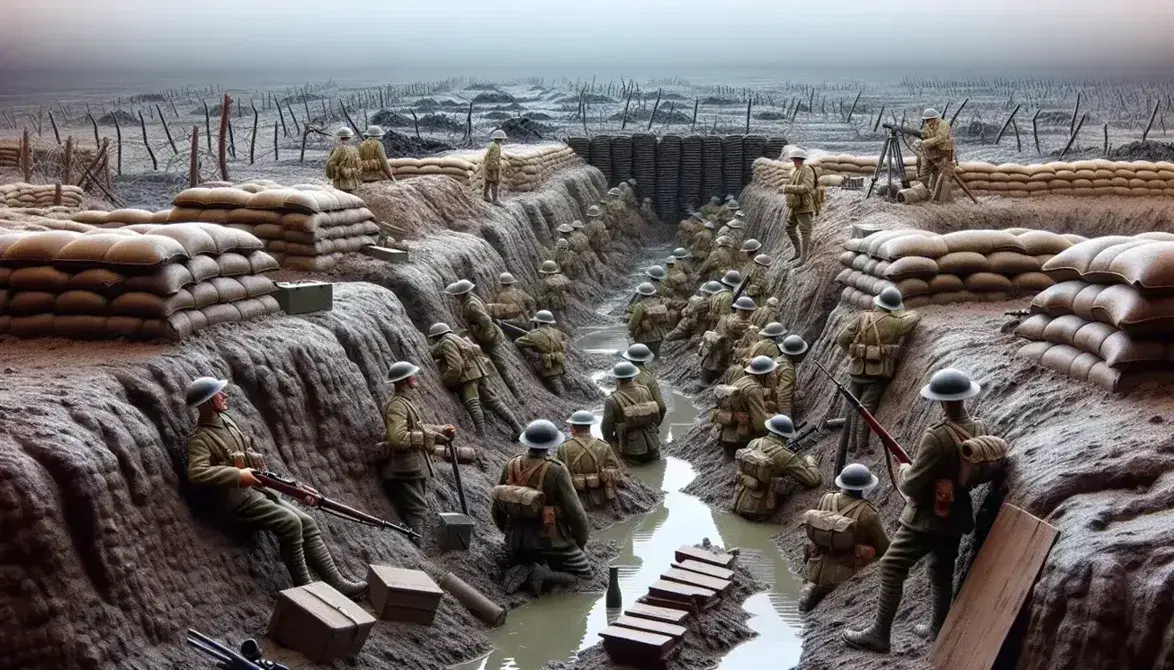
[
  {"x": 710, "y": 342},
  {"x": 830, "y": 531},
  {"x": 819, "y": 196},
  {"x": 982, "y": 459},
  {"x": 755, "y": 464},
  {"x": 517, "y": 499},
  {"x": 641, "y": 414},
  {"x": 726, "y": 401}
]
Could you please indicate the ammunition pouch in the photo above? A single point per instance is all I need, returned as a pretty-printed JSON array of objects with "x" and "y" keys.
[
  {"x": 553, "y": 360},
  {"x": 710, "y": 342},
  {"x": 247, "y": 459},
  {"x": 722, "y": 417},
  {"x": 943, "y": 497},
  {"x": 586, "y": 482},
  {"x": 755, "y": 464},
  {"x": 519, "y": 501}
]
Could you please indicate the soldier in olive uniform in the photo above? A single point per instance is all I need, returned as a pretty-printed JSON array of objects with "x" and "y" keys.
[
  {"x": 756, "y": 500},
  {"x": 800, "y": 194},
  {"x": 492, "y": 166},
  {"x": 648, "y": 212},
  {"x": 596, "y": 230},
  {"x": 723, "y": 298},
  {"x": 937, "y": 155},
  {"x": 658, "y": 275},
  {"x": 734, "y": 228},
  {"x": 677, "y": 282},
  {"x": 709, "y": 209},
  {"x": 222, "y": 457},
  {"x": 873, "y": 340},
  {"x": 373, "y": 158},
  {"x": 464, "y": 371},
  {"x": 568, "y": 260},
  {"x": 825, "y": 570},
  {"x": 783, "y": 393},
  {"x": 553, "y": 291},
  {"x": 550, "y": 346},
  {"x": 480, "y": 323},
  {"x": 650, "y": 318},
  {"x": 748, "y": 407},
  {"x": 754, "y": 272},
  {"x": 937, "y": 513},
  {"x": 628, "y": 193},
  {"x": 343, "y": 167},
  {"x": 727, "y": 211},
  {"x": 766, "y": 313},
  {"x": 554, "y": 542},
  {"x": 764, "y": 341},
  {"x": 578, "y": 239},
  {"x": 636, "y": 438},
  {"x": 689, "y": 227},
  {"x": 717, "y": 350},
  {"x": 595, "y": 469},
  {"x": 684, "y": 261},
  {"x": 719, "y": 260},
  {"x": 695, "y": 315},
  {"x": 409, "y": 441},
  {"x": 511, "y": 293},
  {"x": 641, "y": 356},
  {"x": 702, "y": 243}
]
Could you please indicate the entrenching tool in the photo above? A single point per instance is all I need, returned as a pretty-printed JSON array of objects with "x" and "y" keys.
[{"x": 456, "y": 528}]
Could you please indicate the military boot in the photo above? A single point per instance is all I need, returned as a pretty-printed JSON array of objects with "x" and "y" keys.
[
  {"x": 473, "y": 406},
  {"x": 940, "y": 602},
  {"x": 499, "y": 408},
  {"x": 793, "y": 235},
  {"x": 804, "y": 243},
  {"x": 295, "y": 562},
  {"x": 812, "y": 595},
  {"x": 556, "y": 386},
  {"x": 876, "y": 637},
  {"x": 537, "y": 581},
  {"x": 319, "y": 557}
]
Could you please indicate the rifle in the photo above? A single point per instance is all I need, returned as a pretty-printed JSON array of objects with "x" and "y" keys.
[
  {"x": 249, "y": 657},
  {"x": 300, "y": 493},
  {"x": 1018, "y": 312},
  {"x": 511, "y": 331},
  {"x": 888, "y": 440}
]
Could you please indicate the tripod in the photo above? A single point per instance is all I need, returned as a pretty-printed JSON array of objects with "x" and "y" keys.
[{"x": 893, "y": 162}]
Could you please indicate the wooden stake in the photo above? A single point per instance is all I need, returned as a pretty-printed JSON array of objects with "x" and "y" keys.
[
  {"x": 305, "y": 134},
  {"x": 876, "y": 125},
  {"x": 1018, "y": 143},
  {"x": 276, "y": 157},
  {"x": 415, "y": 121},
  {"x": 1075, "y": 111},
  {"x": 53, "y": 122},
  {"x": 696, "y": 103},
  {"x": 958, "y": 111},
  {"x": 67, "y": 162},
  {"x": 281, "y": 115},
  {"x": 167, "y": 130},
  {"x": 1075, "y": 132},
  {"x": 748, "y": 104},
  {"x": 1035, "y": 130},
  {"x": 1107, "y": 139},
  {"x": 207, "y": 126},
  {"x": 253, "y": 141},
  {"x": 294, "y": 119},
  {"x": 1007, "y": 123},
  {"x": 851, "y": 111},
  {"x": 628, "y": 102},
  {"x": 222, "y": 139},
  {"x": 57, "y": 194},
  {"x": 194, "y": 162},
  {"x": 232, "y": 138},
  {"x": 95, "y": 124},
  {"x": 1153, "y": 115},
  {"x": 26, "y": 164},
  {"x": 118, "y": 137},
  {"x": 146, "y": 142},
  {"x": 654, "y": 108}
]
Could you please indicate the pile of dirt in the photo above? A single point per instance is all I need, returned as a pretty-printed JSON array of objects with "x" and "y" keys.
[
  {"x": 977, "y": 128},
  {"x": 441, "y": 122},
  {"x": 493, "y": 98},
  {"x": 538, "y": 116},
  {"x": 715, "y": 100},
  {"x": 148, "y": 97},
  {"x": 771, "y": 116},
  {"x": 525, "y": 130},
  {"x": 390, "y": 119},
  {"x": 397, "y": 145},
  {"x": 429, "y": 105},
  {"x": 497, "y": 116},
  {"x": 213, "y": 110},
  {"x": 1148, "y": 150},
  {"x": 482, "y": 87},
  {"x": 122, "y": 115},
  {"x": 663, "y": 115}
]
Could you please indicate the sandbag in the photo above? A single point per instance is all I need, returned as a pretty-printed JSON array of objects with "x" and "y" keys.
[
  {"x": 35, "y": 248},
  {"x": 1030, "y": 282},
  {"x": 912, "y": 287},
  {"x": 80, "y": 327},
  {"x": 82, "y": 302},
  {"x": 1033, "y": 327},
  {"x": 987, "y": 282},
  {"x": 233, "y": 265},
  {"x": 149, "y": 306},
  {"x": 982, "y": 241},
  {"x": 1012, "y": 263},
  {"x": 911, "y": 245},
  {"x": 260, "y": 262},
  {"x": 97, "y": 280},
  {"x": 945, "y": 283},
  {"x": 39, "y": 278},
  {"x": 963, "y": 263},
  {"x": 166, "y": 280},
  {"x": 1148, "y": 267},
  {"x": 204, "y": 294},
  {"x": 255, "y": 286},
  {"x": 221, "y": 313},
  {"x": 1057, "y": 300},
  {"x": 911, "y": 267},
  {"x": 40, "y": 325},
  {"x": 1133, "y": 312},
  {"x": 1072, "y": 263}
]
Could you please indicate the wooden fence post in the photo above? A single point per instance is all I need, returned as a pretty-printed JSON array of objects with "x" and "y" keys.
[
  {"x": 281, "y": 115},
  {"x": 207, "y": 126},
  {"x": 53, "y": 122},
  {"x": 276, "y": 157},
  {"x": 1075, "y": 132},
  {"x": 67, "y": 161},
  {"x": 26, "y": 164},
  {"x": 146, "y": 143},
  {"x": 651, "y": 117},
  {"x": 95, "y": 124},
  {"x": 1145, "y": 133},
  {"x": 194, "y": 162},
  {"x": 748, "y": 104},
  {"x": 222, "y": 140},
  {"x": 166, "y": 130},
  {"x": 57, "y": 194},
  {"x": 1035, "y": 129},
  {"x": 1007, "y": 123},
  {"x": 118, "y": 137},
  {"x": 253, "y": 141}
]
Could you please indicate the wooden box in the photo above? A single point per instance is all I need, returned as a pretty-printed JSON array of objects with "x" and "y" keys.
[
  {"x": 642, "y": 649},
  {"x": 403, "y": 595},
  {"x": 665, "y": 614},
  {"x": 690, "y": 578},
  {"x": 456, "y": 531},
  {"x": 305, "y": 297},
  {"x": 319, "y": 622},
  {"x": 687, "y": 553},
  {"x": 705, "y": 569}
]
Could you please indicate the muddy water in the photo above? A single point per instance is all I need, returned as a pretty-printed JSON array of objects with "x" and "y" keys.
[{"x": 556, "y": 627}]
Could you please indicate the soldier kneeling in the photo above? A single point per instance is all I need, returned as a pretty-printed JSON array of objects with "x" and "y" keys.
[{"x": 762, "y": 462}]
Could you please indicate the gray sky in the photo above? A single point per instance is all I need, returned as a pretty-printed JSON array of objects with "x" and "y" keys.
[{"x": 406, "y": 41}]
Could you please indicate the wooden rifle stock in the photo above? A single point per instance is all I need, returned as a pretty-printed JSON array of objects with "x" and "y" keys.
[
  {"x": 888, "y": 440},
  {"x": 311, "y": 499}
]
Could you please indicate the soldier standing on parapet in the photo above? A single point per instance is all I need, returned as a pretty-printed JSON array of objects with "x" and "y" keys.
[
  {"x": 829, "y": 565},
  {"x": 702, "y": 244},
  {"x": 549, "y": 345},
  {"x": 740, "y": 412},
  {"x": 801, "y": 191},
  {"x": 409, "y": 441},
  {"x": 373, "y": 158},
  {"x": 464, "y": 371},
  {"x": 719, "y": 260},
  {"x": 553, "y": 291},
  {"x": 596, "y": 230},
  {"x": 595, "y": 470},
  {"x": 631, "y": 417},
  {"x": 567, "y": 259},
  {"x": 344, "y": 167},
  {"x": 650, "y": 317},
  {"x": 493, "y": 165},
  {"x": 222, "y": 457},
  {"x": 480, "y": 322},
  {"x": 548, "y": 530},
  {"x": 766, "y": 313},
  {"x": 937, "y": 154},
  {"x": 762, "y": 462},
  {"x": 641, "y": 356},
  {"x": 717, "y": 345},
  {"x": 695, "y": 315},
  {"x": 511, "y": 294},
  {"x": 873, "y": 340},
  {"x": 937, "y": 513}
]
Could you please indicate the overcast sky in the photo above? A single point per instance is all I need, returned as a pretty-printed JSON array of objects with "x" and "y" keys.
[{"x": 500, "y": 38}]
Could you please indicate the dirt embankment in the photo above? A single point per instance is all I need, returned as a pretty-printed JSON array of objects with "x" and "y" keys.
[
  {"x": 1096, "y": 465},
  {"x": 109, "y": 556}
]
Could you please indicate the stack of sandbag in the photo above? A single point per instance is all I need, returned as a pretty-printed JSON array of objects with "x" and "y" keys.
[
  {"x": 963, "y": 266},
  {"x": 775, "y": 174},
  {"x": 56, "y": 218},
  {"x": 1099, "y": 177},
  {"x": 1110, "y": 318},
  {"x": 529, "y": 165},
  {"x": 145, "y": 281},
  {"x": 858, "y": 166},
  {"x": 9, "y": 153},
  {"x": 39, "y": 195},
  {"x": 457, "y": 167}
]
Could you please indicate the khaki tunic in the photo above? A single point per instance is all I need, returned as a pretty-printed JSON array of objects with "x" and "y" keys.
[
  {"x": 645, "y": 326},
  {"x": 493, "y": 163},
  {"x": 479, "y": 320},
  {"x": 733, "y": 328},
  {"x": 754, "y": 276},
  {"x": 750, "y": 410},
  {"x": 936, "y": 466},
  {"x": 758, "y": 499},
  {"x": 210, "y": 460},
  {"x": 763, "y": 315},
  {"x": 636, "y": 443},
  {"x": 718, "y": 306},
  {"x": 373, "y": 160},
  {"x": 938, "y": 144},
  {"x": 677, "y": 284},
  {"x": 586, "y": 455},
  {"x": 519, "y": 299},
  {"x": 344, "y": 167},
  {"x": 702, "y": 244},
  {"x": 579, "y": 242},
  {"x": 409, "y": 439},
  {"x": 550, "y": 345},
  {"x": 553, "y": 291},
  {"x": 800, "y": 190},
  {"x": 597, "y": 235},
  {"x": 569, "y": 262},
  {"x": 648, "y": 381},
  {"x": 877, "y": 328},
  {"x": 571, "y": 529},
  {"x": 831, "y": 570},
  {"x": 459, "y": 360},
  {"x": 718, "y": 262}
]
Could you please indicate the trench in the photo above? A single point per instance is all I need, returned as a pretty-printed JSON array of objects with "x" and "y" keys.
[{"x": 557, "y": 627}]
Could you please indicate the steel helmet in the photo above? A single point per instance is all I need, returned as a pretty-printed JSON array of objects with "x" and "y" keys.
[
  {"x": 565, "y": 228},
  {"x": 772, "y": 301},
  {"x": 733, "y": 204},
  {"x": 781, "y": 425},
  {"x": 670, "y": 261},
  {"x": 542, "y": 435},
  {"x": 498, "y": 134},
  {"x": 724, "y": 241},
  {"x": 740, "y": 215},
  {"x": 625, "y": 370},
  {"x": 459, "y": 287},
  {"x": 732, "y": 278},
  {"x": 763, "y": 260},
  {"x": 576, "y": 224},
  {"x": 401, "y": 370},
  {"x": 656, "y": 272},
  {"x": 543, "y": 316},
  {"x": 950, "y": 384},
  {"x": 751, "y": 245},
  {"x": 201, "y": 390},
  {"x": 548, "y": 268},
  {"x": 583, "y": 417},
  {"x": 889, "y": 300},
  {"x": 614, "y": 192},
  {"x": 373, "y": 131},
  {"x": 798, "y": 153},
  {"x": 736, "y": 223},
  {"x": 681, "y": 253},
  {"x": 715, "y": 200},
  {"x": 344, "y": 133},
  {"x": 439, "y": 329},
  {"x": 930, "y": 113},
  {"x": 506, "y": 278},
  {"x": 562, "y": 243},
  {"x": 710, "y": 287},
  {"x": 794, "y": 345},
  {"x": 593, "y": 211},
  {"x": 639, "y": 353},
  {"x": 761, "y": 365},
  {"x": 646, "y": 289},
  {"x": 856, "y": 477},
  {"x": 729, "y": 197},
  {"x": 631, "y": 182},
  {"x": 745, "y": 304},
  {"x": 772, "y": 329}
]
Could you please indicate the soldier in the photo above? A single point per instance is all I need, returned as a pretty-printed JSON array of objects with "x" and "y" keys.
[
  {"x": 754, "y": 270},
  {"x": 631, "y": 417},
  {"x": 650, "y": 317},
  {"x": 578, "y": 239},
  {"x": 719, "y": 260},
  {"x": 937, "y": 513},
  {"x": 493, "y": 164},
  {"x": 734, "y": 228},
  {"x": 658, "y": 274},
  {"x": 463, "y": 371},
  {"x": 554, "y": 286},
  {"x": 717, "y": 345},
  {"x": 595, "y": 469},
  {"x": 762, "y": 462},
  {"x": 702, "y": 243},
  {"x": 937, "y": 153},
  {"x": 641, "y": 356},
  {"x": 596, "y": 230},
  {"x": 343, "y": 167},
  {"x": 550, "y": 346},
  {"x": 676, "y": 283},
  {"x": 222, "y": 457},
  {"x": 800, "y": 192},
  {"x": 766, "y": 313},
  {"x": 481, "y": 322},
  {"x": 726, "y": 213},
  {"x": 409, "y": 441},
  {"x": 511, "y": 294},
  {"x": 828, "y": 567},
  {"x": 689, "y": 227},
  {"x": 757, "y": 342},
  {"x": 784, "y": 387},
  {"x": 552, "y": 537},
  {"x": 710, "y": 209},
  {"x": 684, "y": 261},
  {"x": 648, "y": 212},
  {"x": 372, "y": 157},
  {"x": 567, "y": 259},
  {"x": 695, "y": 314},
  {"x": 628, "y": 193},
  {"x": 740, "y": 415},
  {"x": 873, "y": 340},
  {"x": 723, "y": 298}
]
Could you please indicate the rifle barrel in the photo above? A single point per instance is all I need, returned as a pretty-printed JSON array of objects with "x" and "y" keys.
[{"x": 887, "y": 439}]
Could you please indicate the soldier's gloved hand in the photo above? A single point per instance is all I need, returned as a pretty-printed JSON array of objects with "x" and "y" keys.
[{"x": 247, "y": 479}]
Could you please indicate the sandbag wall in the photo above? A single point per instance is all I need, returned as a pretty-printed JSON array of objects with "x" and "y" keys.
[
  {"x": 963, "y": 266},
  {"x": 142, "y": 282},
  {"x": 9, "y": 153},
  {"x": 529, "y": 166},
  {"x": 39, "y": 195},
  {"x": 677, "y": 172},
  {"x": 1109, "y": 319}
]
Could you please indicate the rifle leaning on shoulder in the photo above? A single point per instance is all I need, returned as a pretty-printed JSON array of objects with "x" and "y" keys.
[{"x": 314, "y": 499}]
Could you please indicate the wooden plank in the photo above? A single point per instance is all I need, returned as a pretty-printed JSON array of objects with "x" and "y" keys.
[
  {"x": 695, "y": 579},
  {"x": 694, "y": 553},
  {"x": 386, "y": 254},
  {"x": 665, "y": 614},
  {"x": 675, "y": 591},
  {"x": 663, "y": 603},
  {"x": 1003, "y": 574},
  {"x": 650, "y": 626},
  {"x": 705, "y": 569},
  {"x": 627, "y": 646}
]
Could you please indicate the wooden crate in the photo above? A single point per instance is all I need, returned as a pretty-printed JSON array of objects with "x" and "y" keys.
[
  {"x": 319, "y": 622},
  {"x": 403, "y": 595},
  {"x": 642, "y": 649}
]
